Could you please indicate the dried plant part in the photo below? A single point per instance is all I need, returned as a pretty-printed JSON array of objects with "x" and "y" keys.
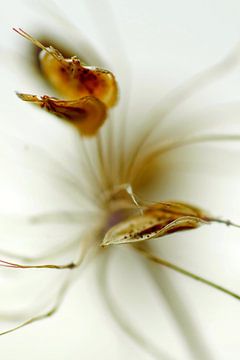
[
  {"x": 87, "y": 90},
  {"x": 88, "y": 93},
  {"x": 71, "y": 78},
  {"x": 87, "y": 114},
  {"x": 155, "y": 221},
  {"x": 76, "y": 80}
]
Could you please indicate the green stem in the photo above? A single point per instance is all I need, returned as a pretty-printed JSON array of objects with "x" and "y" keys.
[{"x": 180, "y": 270}]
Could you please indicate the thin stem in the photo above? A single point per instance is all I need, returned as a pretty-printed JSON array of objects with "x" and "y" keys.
[
  {"x": 182, "y": 271},
  {"x": 11, "y": 265},
  {"x": 66, "y": 175},
  {"x": 53, "y": 252},
  {"x": 66, "y": 217},
  {"x": 226, "y": 222},
  {"x": 49, "y": 313},
  {"x": 120, "y": 318},
  {"x": 187, "y": 325},
  {"x": 102, "y": 162},
  {"x": 87, "y": 244},
  {"x": 111, "y": 150},
  {"x": 93, "y": 174},
  {"x": 104, "y": 19}
]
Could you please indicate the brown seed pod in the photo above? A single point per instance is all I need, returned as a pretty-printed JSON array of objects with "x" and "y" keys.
[
  {"x": 87, "y": 114},
  {"x": 88, "y": 91}
]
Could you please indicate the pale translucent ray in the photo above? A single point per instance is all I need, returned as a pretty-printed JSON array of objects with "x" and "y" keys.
[
  {"x": 188, "y": 328},
  {"x": 67, "y": 278},
  {"x": 52, "y": 252},
  {"x": 106, "y": 24},
  {"x": 180, "y": 94},
  {"x": 98, "y": 172},
  {"x": 43, "y": 315},
  {"x": 34, "y": 153},
  {"x": 42, "y": 236},
  {"x": 68, "y": 217},
  {"x": 49, "y": 217},
  {"x": 20, "y": 222},
  {"x": 59, "y": 17},
  {"x": 103, "y": 18},
  {"x": 176, "y": 144},
  {"x": 93, "y": 177},
  {"x": 111, "y": 163},
  {"x": 86, "y": 243},
  {"x": 156, "y": 259},
  {"x": 38, "y": 299},
  {"x": 93, "y": 172},
  {"x": 57, "y": 12},
  {"x": 120, "y": 318},
  {"x": 86, "y": 253},
  {"x": 219, "y": 117},
  {"x": 102, "y": 162}
]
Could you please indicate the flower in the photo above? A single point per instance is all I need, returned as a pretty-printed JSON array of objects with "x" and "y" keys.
[{"x": 97, "y": 176}]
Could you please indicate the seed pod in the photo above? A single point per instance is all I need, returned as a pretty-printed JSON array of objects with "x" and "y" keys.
[{"x": 86, "y": 114}]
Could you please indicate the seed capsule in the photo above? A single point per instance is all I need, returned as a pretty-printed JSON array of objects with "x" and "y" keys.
[
  {"x": 88, "y": 91},
  {"x": 86, "y": 114},
  {"x": 73, "y": 80},
  {"x": 155, "y": 221}
]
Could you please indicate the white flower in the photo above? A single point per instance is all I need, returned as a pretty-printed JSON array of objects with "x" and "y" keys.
[{"x": 187, "y": 320}]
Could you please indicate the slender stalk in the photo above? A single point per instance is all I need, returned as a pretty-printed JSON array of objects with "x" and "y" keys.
[
  {"x": 121, "y": 319},
  {"x": 182, "y": 271},
  {"x": 102, "y": 163},
  {"x": 187, "y": 325},
  {"x": 93, "y": 174},
  {"x": 49, "y": 313}
]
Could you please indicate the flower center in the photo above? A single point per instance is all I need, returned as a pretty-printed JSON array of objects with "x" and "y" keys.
[{"x": 120, "y": 205}]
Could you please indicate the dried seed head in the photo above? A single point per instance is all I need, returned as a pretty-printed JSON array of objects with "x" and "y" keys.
[
  {"x": 88, "y": 91},
  {"x": 73, "y": 80},
  {"x": 155, "y": 221},
  {"x": 86, "y": 114}
]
